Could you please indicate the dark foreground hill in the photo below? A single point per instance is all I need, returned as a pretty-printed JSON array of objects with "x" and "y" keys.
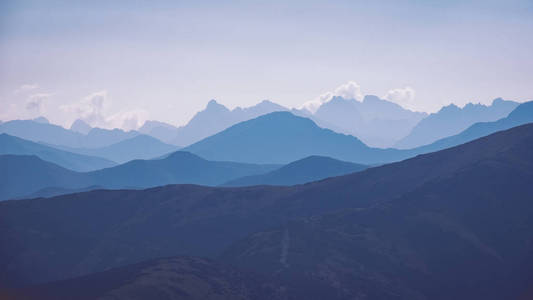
[
  {"x": 166, "y": 278},
  {"x": 454, "y": 224},
  {"x": 305, "y": 170}
]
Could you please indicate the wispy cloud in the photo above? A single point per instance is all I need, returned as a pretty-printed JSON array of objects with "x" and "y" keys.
[
  {"x": 349, "y": 90},
  {"x": 402, "y": 96}
]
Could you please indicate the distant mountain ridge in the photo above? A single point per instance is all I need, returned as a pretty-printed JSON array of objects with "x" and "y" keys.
[{"x": 451, "y": 120}]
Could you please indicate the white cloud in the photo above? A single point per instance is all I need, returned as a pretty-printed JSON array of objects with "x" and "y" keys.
[
  {"x": 405, "y": 97},
  {"x": 90, "y": 109},
  {"x": 349, "y": 90},
  {"x": 94, "y": 110},
  {"x": 128, "y": 120}
]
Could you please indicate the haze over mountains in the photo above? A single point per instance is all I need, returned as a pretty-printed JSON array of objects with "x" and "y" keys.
[
  {"x": 408, "y": 230},
  {"x": 376, "y": 122}
]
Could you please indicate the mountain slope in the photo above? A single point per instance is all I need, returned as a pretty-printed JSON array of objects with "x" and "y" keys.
[
  {"x": 77, "y": 162},
  {"x": 451, "y": 120},
  {"x": 178, "y": 167},
  {"x": 282, "y": 137},
  {"x": 138, "y": 147},
  {"x": 309, "y": 169},
  {"x": 138, "y": 225}
]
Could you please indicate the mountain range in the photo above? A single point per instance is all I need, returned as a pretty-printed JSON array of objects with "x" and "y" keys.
[
  {"x": 414, "y": 229},
  {"x": 376, "y": 121},
  {"x": 282, "y": 137}
]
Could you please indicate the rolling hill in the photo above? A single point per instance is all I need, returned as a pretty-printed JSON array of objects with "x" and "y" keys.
[{"x": 309, "y": 169}]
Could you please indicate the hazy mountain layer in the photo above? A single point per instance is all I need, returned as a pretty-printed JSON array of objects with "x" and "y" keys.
[
  {"x": 77, "y": 162},
  {"x": 56, "y": 135},
  {"x": 28, "y": 175}
]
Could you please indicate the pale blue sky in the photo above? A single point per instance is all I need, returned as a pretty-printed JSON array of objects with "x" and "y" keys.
[{"x": 166, "y": 60}]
